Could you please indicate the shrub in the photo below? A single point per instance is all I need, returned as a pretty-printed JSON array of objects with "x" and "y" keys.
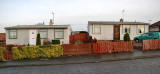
[
  {"x": 55, "y": 41},
  {"x": 31, "y": 52},
  {"x": 38, "y": 40},
  {"x": 46, "y": 42},
  {"x": 1, "y": 53},
  {"x": 78, "y": 42},
  {"x": 126, "y": 37},
  {"x": 83, "y": 32}
]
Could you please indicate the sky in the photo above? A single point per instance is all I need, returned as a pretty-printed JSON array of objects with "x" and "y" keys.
[{"x": 77, "y": 13}]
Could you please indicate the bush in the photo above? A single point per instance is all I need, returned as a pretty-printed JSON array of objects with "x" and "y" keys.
[
  {"x": 83, "y": 32},
  {"x": 55, "y": 41},
  {"x": 126, "y": 37},
  {"x": 78, "y": 42},
  {"x": 31, "y": 52},
  {"x": 38, "y": 40},
  {"x": 46, "y": 42},
  {"x": 1, "y": 53}
]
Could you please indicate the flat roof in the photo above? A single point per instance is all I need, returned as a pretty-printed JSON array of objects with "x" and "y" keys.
[
  {"x": 116, "y": 23},
  {"x": 38, "y": 27}
]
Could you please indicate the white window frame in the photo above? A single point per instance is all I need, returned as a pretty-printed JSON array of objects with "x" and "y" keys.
[
  {"x": 94, "y": 26},
  {"x": 58, "y": 30},
  {"x": 43, "y": 30},
  {"x": 140, "y": 27},
  {"x": 11, "y": 31},
  {"x": 128, "y": 27}
]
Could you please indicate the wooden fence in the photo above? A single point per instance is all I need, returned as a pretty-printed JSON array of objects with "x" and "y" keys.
[
  {"x": 80, "y": 36},
  {"x": 98, "y": 48},
  {"x": 79, "y": 49},
  {"x": 111, "y": 47},
  {"x": 151, "y": 44}
]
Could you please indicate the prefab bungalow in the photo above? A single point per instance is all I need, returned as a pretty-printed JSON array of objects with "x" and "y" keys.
[
  {"x": 111, "y": 30},
  {"x": 26, "y": 34}
]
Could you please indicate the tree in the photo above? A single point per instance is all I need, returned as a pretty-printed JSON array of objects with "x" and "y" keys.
[
  {"x": 126, "y": 37},
  {"x": 38, "y": 40}
]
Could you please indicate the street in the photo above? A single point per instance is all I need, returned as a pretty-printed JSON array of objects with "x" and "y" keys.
[{"x": 139, "y": 66}]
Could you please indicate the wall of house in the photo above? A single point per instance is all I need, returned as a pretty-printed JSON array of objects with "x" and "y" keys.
[
  {"x": 67, "y": 33},
  {"x": 133, "y": 31},
  {"x": 28, "y": 36},
  {"x": 22, "y": 37},
  {"x": 106, "y": 32}
]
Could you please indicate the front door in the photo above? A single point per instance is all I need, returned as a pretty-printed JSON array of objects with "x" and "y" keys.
[{"x": 116, "y": 32}]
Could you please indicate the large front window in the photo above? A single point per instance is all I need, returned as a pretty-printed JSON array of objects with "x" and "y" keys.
[
  {"x": 96, "y": 29},
  {"x": 43, "y": 33},
  {"x": 12, "y": 34},
  {"x": 140, "y": 29},
  {"x": 59, "y": 33},
  {"x": 126, "y": 28}
]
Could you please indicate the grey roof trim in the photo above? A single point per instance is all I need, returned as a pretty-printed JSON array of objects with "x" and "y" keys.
[
  {"x": 38, "y": 27},
  {"x": 116, "y": 23}
]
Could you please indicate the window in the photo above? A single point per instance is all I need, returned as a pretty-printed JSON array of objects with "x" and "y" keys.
[
  {"x": 96, "y": 29},
  {"x": 59, "y": 33},
  {"x": 126, "y": 28},
  {"x": 140, "y": 29},
  {"x": 43, "y": 33},
  {"x": 12, "y": 34},
  {"x": 151, "y": 34}
]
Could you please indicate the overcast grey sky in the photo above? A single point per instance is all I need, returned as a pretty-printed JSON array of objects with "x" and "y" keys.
[{"x": 76, "y": 12}]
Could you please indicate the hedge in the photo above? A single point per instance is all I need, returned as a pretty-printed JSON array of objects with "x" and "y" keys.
[
  {"x": 1, "y": 53},
  {"x": 31, "y": 52}
]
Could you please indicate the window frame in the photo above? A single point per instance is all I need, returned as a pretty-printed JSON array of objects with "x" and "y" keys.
[
  {"x": 128, "y": 27},
  {"x": 58, "y": 31},
  {"x": 140, "y": 29},
  {"x": 93, "y": 29},
  {"x": 10, "y": 34},
  {"x": 43, "y": 30}
]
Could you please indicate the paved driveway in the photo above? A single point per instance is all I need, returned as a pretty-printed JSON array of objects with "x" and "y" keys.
[{"x": 139, "y": 66}]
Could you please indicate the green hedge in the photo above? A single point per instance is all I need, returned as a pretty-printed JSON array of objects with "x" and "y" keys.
[
  {"x": 1, "y": 53},
  {"x": 31, "y": 52}
]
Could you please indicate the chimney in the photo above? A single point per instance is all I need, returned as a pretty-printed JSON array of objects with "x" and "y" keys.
[
  {"x": 50, "y": 22},
  {"x": 121, "y": 20}
]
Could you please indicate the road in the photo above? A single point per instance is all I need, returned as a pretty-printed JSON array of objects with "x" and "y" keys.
[{"x": 139, "y": 66}]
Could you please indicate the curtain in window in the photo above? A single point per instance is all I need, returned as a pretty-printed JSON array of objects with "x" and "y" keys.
[
  {"x": 96, "y": 29},
  {"x": 126, "y": 28},
  {"x": 43, "y": 33},
  {"x": 140, "y": 29},
  {"x": 12, "y": 34},
  {"x": 59, "y": 33}
]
